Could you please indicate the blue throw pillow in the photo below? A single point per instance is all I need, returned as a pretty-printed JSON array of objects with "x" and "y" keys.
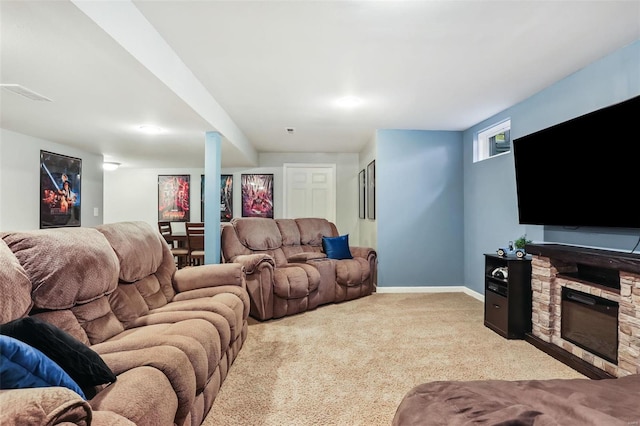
[
  {"x": 22, "y": 366},
  {"x": 337, "y": 247}
]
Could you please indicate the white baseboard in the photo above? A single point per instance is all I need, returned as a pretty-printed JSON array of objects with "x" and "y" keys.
[{"x": 438, "y": 289}]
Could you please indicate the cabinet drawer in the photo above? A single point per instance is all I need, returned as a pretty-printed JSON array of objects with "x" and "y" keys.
[{"x": 496, "y": 311}]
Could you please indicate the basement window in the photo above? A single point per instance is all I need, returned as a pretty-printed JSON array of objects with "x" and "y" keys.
[{"x": 492, "y": 141}]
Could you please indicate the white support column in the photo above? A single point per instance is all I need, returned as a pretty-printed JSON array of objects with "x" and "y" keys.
[{"x": 212, "y": 171}]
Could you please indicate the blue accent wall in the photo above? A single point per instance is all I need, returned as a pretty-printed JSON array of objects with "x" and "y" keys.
[
  {"x": 490, "y": 204},
  {"x": 419, "y": 205}
]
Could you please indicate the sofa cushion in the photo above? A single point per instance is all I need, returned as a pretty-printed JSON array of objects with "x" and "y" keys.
[
  {"x": 195, "y": 337},
  {"x": 289, "y": 231},
  {"x": 56, "y": 262},
  {"x": 138, "y": 247},
  {"x": 149, "y": 288},
  {"x": 22, "y": 367},
  {"x": 66, "y": 321},
  {"x": 82, "y": 364},
  {"x": 313, "y": 229},
  {"x": 291, "y": 283},
  {"x": 352, "y": 272},
  {"x": 258, "y": 233},
  {"x": 145, "y": 260},
  {"x": 127, "y": 304},
  {"x": 98, "y": 320},
  {"x": 337, "y": 247},
  {"x": 14, "y": 286}
]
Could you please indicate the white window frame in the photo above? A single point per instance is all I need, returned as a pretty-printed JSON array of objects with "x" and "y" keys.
[{"x": 481, "y": 144}]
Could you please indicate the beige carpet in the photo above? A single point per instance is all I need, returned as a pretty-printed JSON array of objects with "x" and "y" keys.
[{"x": 352, "y": 363}]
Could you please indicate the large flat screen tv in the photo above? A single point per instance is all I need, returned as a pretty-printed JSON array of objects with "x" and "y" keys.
[{"x": 582, "y": 172}]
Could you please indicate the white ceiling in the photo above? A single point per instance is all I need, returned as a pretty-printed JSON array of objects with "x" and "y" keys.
[{"x": 435, "y": 65}]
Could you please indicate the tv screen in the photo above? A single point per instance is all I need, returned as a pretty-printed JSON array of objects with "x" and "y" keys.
[{"x": 583, "y": 172}]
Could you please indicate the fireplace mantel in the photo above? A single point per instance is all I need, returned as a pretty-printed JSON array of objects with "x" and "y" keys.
[
  {"x": 621, "y": 261},
  {"x": 555, "y": 266}
]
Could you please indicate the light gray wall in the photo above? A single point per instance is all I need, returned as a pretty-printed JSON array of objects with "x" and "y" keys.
[
  {"x": 20, "y": 181},
  {"x": 419, "y": 208},
  {"x": 132, "y": 194},
  {"x": 490, "y": 213}
]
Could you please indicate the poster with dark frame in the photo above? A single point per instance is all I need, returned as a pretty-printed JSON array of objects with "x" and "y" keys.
[
  {"x": 362, "y": 190},
  {"x": 60, "y": 200},
  {"x": 371, "y": 190},
  {"x": 226, "y": 198},
  {"x": 173, "y": 198},
  {"x": 257, "y": 195},
  {"x": 202, "y": 198}
]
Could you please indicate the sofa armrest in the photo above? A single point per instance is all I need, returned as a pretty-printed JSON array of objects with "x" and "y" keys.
[
  {"x": 203, "y": 276},
  {"x": 142, "y": 395},
  {"x": 364, "y": 252},
  {"x": 253, "y": 262},
  {"x": 43, "y": 406}
]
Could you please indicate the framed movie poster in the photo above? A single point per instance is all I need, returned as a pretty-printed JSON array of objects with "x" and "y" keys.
[
  {"x": 59, "y": 190},
  {"x": 226, "y": 198},
  {"x": 257, "y": 195},
  {"x": 173, "y": 198},
  {"x": 362, "y": 189},
  {"x": 371, "y": 190},
  {"x": 202, "y": 198}
]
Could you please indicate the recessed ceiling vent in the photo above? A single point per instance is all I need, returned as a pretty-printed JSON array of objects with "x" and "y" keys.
[{"x": 23, "y": 91}]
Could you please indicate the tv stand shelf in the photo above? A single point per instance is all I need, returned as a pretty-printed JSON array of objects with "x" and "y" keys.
[{"x": 594, "y": 281}]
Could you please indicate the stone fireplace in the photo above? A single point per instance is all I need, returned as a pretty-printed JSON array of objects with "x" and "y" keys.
[{"x": 553, "y": 268}]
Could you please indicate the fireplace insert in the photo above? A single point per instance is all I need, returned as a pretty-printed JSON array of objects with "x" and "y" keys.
[{"x": 590, "y": 322}]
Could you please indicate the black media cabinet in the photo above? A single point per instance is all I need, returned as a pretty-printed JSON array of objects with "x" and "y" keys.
[{"x": 507, "y": 301}]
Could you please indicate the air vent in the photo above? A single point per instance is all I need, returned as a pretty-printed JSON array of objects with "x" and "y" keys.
[{"x": 23, "y": 91}]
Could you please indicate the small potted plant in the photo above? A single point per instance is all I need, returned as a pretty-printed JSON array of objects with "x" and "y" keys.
[{"x": 520, "y": 244}]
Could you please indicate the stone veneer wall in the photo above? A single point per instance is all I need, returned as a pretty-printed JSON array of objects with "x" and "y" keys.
[{"x": 547, "y": 296}]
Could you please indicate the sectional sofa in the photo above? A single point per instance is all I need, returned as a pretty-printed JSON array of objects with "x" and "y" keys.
[
  {"x": 294, "y": 265},
  {"x": 117, "y": 335}
]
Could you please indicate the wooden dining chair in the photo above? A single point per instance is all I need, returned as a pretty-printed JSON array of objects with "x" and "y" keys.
[
  {"x": 195, "y": 242},
  {"x": 180, "y": 254}
]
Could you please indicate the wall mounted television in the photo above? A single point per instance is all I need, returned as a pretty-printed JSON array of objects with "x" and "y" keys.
[{"x": 584, "y": 172}]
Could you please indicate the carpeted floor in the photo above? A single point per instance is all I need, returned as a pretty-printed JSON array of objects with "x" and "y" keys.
[{"x": 352, "y": 363}]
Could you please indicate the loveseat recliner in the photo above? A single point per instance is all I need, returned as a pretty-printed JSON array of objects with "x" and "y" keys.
[
  {"x": 287, "y": 268},
  {"x": 169, "y": 336}
]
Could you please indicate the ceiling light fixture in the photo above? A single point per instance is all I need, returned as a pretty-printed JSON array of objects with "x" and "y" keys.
[
  {"x": 149, "y": 129},
  {"x": 110, "y": 165},
  {"x": 349, "y": 102}
]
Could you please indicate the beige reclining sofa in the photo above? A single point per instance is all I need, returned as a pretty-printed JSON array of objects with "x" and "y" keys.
[
  {"x": 168, "y": 336},
  {"x": 287, "y": 268}
]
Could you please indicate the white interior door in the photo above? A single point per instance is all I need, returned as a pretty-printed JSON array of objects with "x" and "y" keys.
[{"x": 310, "y": 191}]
